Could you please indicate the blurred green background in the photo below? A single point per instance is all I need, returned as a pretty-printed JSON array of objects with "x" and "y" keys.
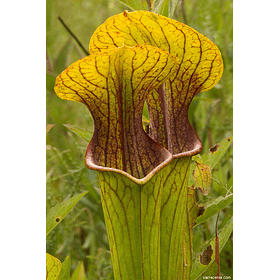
[{"x": 82, "y": 234}]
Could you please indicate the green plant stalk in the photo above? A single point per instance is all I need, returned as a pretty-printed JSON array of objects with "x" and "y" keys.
[
  {"x": 145, "y": 222},
  {"x": 132, "y": 217},
  {"x": 173, "y": 216},
  {"x": 187, "y": 235}
]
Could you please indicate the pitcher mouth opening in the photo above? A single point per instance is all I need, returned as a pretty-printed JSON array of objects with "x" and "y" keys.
[
  {"x": 197, "y": 148},
  {"x": 89, "y": 161}
]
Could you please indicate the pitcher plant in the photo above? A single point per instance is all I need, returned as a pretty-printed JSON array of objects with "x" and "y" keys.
[{"x": 138, "y": 57}]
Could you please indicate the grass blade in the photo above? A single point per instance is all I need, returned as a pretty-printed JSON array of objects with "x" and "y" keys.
[{"x": 58, "y": 212}]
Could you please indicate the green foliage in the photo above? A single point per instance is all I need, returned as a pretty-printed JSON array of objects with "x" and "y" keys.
[
  {"x": 165, "y": 7},
  {"x": 79, "y": 272},
  {"x": 207, "y": 161},
  {"x": 136, "y": 4},
  {"x": 50, "y": 80},
  {"x": 83, "y": 235},
  {"x": 65, "y": 270},
  {"x": 58, "y": 213},
  {"x": 213, "y": 206},
  {"x": 216, "y": 152},
  {"x": 85, "y": 134},
  {"x": 199, "y": 268}
]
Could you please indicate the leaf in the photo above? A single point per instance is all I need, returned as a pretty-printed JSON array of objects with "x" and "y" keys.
[
  {"x": 53, "y": 267},
  {"x": 202, "y": 176},
  {"x": 58, "y": 212},
  {"x": 61, "y": 60},
  {"x": 200, "y": 68},
  {"x": 49, "y": 127},
  {"x": 208, "y": 160},
  {"x": 211, "y": 271},
  {"x": 114, "y": 87},
  {"x": 145, "y": 113},
  {"x": 85, "y": 134},
  {"x": 165, "y": 7},
  {"x": 217, "y": 246},
  {"x": 197, "y": 267},
  {"x": 50, "y": 81},
  {"x": 193, "y": 211},
  {"x": 79, "y": 272},
  {"x": 136, "y": 4},
  {"x": 217, "y": 152},
  {"x": 213, "y": 206},
  {"x": 65, "y": 270}
]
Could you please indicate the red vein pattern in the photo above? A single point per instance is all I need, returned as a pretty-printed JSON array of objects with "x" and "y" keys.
[
  {"x": 200, "y": 68},
  {"x": 114, "y": 87}
]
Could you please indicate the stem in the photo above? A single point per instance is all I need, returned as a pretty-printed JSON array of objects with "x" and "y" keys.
[
  {"x": 49, "y": 65},
  {"x": 132, "y": 216},
  {"x": 207, "y": 122},
  {"x": 145, "y": 223},
  {"x": 173, "y": 215},
  {"x": 187, "y": 249},
  {"x": 184, "y": 13},
  {"x": 150, "y": 5},
  {"x": 217, "y": 247},
  {"x": 72, "y": 34}
]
